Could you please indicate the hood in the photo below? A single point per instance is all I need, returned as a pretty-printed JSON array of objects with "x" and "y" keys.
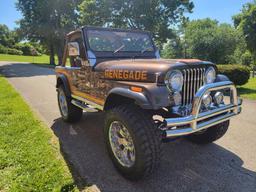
[{"x": 146, "y": 69}]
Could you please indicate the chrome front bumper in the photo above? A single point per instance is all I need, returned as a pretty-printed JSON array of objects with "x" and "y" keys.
[{"x": 197, "y": 121}]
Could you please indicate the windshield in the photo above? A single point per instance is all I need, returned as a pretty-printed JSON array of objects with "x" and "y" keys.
[{"x": 116, "y": 41}]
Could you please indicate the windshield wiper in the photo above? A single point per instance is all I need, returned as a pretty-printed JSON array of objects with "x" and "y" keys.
[{"x": 119, "y": 49}]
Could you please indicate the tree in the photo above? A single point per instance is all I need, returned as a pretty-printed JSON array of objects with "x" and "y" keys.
[
  {"x": 156, "y": 16},
  {"x": 173, "y": 49},
  {"x": 246, "y": 21},
  {"x": 208, "y": 40},
  {"x": 8, "y": 38},
  {"x": 48, "y": 22},
  {"x": 241, "y": 54}
]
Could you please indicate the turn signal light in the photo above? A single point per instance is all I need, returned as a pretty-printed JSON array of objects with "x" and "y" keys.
[{"x": 136, "y": 89}]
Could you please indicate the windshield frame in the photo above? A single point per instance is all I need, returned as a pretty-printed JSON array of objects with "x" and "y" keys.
[
  {"x": 122, "y": 31},
  {"x": 106, "y": 55}
]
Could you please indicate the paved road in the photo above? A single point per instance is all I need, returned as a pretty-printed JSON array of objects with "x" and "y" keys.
[{"x": 227, "y": 165}]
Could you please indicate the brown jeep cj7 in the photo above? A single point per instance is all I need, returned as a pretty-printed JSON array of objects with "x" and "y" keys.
[{"x": 146, "y": 99}]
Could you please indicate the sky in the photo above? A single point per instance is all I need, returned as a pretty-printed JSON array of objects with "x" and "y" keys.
[
  {"x": 8, "y": 13},
  {"x": 221, "y": 10}
]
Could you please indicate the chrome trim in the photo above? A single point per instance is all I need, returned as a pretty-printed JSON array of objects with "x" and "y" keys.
[
  {"x": 184, "y": 88},
  {"x": 68, "y": 67},
  {"x": 88, "y": 102},
  {"x": 122, "y": 144},
  {"x": 193, "y": 80},
  {"x": 193, "y": 120},
  {"x": 85, "y": 107}
]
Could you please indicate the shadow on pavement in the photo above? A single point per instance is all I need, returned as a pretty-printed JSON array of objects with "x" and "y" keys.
[
  {"x": 24, "y": 70},
  {"x": 243, "y": 90},
  {"x": 185, "y": 166}
]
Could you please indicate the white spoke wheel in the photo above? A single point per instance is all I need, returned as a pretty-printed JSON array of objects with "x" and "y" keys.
[
  {"x": 68, "y": 111},
  {"x": 63, "y": 103},
  {"x": 133, "y": 141},
  {"x": 122, "y": 144}
]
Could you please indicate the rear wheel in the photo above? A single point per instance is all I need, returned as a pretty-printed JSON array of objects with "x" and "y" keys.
[
  {"x": 69, "y": 112},
  {"x": 211, "y": 134},
  {"x": 133, "y": 141}
]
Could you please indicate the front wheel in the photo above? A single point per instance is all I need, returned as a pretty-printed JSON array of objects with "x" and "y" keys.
[
  {"x": 133, "y": 141},
  {"x": 210, "y": 135}
]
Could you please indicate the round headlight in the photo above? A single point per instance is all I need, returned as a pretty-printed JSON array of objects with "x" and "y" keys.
[
  {"x": 210, "y": 75},
  {"x": 174, "y": 80}
]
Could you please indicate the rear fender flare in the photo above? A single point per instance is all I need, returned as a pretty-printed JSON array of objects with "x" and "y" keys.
[{"x": 62, "y": 80}]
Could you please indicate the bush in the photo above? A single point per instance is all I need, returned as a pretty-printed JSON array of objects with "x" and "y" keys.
[
  {"x": 27, "y": 49},
  {"x": 3, "y": 49},
  {"x": 6, "y": 50},
  {"x": 238, "y": 74},
  {"x": 14, "y": 51}
]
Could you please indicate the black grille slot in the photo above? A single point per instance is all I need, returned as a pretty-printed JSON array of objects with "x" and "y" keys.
[{"x": 193, "y": 80}]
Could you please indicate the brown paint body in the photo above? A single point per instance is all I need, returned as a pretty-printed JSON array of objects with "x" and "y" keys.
[{"x": 95, "y": 83}]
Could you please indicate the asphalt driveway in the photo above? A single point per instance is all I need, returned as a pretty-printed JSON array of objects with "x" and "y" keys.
[{"x": 227, "y": 165}]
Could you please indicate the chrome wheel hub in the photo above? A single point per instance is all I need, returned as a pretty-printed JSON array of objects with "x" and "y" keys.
[
  {"x": 122, "y": 144},
  {"x": 63, "y": 103}
]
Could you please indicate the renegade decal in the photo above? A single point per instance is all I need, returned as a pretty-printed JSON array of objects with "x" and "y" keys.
[{"x": 126, "y": 75}]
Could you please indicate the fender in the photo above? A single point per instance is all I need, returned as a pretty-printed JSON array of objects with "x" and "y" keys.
[
  {"x": 62, "y": 79},
  {"x": 221, "y": 77},
  {"x": 153, "y": 97},
  {"x": 139, "y": 98}
]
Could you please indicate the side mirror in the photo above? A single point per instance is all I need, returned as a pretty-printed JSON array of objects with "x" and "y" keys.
[{"x": 73, "y": 49}]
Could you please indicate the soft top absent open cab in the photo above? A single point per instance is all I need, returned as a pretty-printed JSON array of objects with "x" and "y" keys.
[{"x": 146, "y": 99}]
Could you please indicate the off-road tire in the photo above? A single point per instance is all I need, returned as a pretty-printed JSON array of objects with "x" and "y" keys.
[
  {"x": 146, "y": 138},
  {"x": 210, "y": 135},
  {"x": 74, "y": 113}
]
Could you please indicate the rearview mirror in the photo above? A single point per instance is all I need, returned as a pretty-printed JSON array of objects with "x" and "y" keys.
[{"x": 73, "y": 49}]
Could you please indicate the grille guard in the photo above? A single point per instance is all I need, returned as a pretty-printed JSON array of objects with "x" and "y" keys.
[{"x": 197, "y": 121}]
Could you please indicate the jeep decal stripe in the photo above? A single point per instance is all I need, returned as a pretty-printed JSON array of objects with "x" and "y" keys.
[{"x": 89, "y": 97}]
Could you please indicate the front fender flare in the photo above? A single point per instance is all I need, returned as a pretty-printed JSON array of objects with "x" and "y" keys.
[
  {"x": 139, "y": 98},
  {"x": 221, "y": 77}
]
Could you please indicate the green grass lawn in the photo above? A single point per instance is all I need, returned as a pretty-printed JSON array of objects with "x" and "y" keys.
[
  {"x": 44, "y": 59},
  {"x": 248, "y": 90},
  {"x": 29, "y": 152}
]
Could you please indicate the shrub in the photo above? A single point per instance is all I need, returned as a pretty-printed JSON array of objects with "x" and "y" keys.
[
  {"x": 14, "y": 51},
  {"x": 238, "y": 74},
  {"x": 3, "y": 49},
  {"x": 27, "y": 49}
]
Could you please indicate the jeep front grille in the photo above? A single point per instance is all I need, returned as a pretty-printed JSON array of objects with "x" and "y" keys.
[{"x": 193, "y": 80}]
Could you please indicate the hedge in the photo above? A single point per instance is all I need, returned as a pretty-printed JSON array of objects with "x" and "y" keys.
[
  {"x": 238, "y": 74},
  {"x": 3, "y": 50},
  {"x": 6, "y": 50},
  {"x": 14, "y": 51},
  {"x": 27, "y": 49}
]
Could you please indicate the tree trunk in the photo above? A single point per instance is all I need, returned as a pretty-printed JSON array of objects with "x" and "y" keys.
[
  {"x": 60, "y": 56},
  {"x": 60, "y": 50},
  {"x": 52, "y": 60},
  {"x": 254, "y": 65}
]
